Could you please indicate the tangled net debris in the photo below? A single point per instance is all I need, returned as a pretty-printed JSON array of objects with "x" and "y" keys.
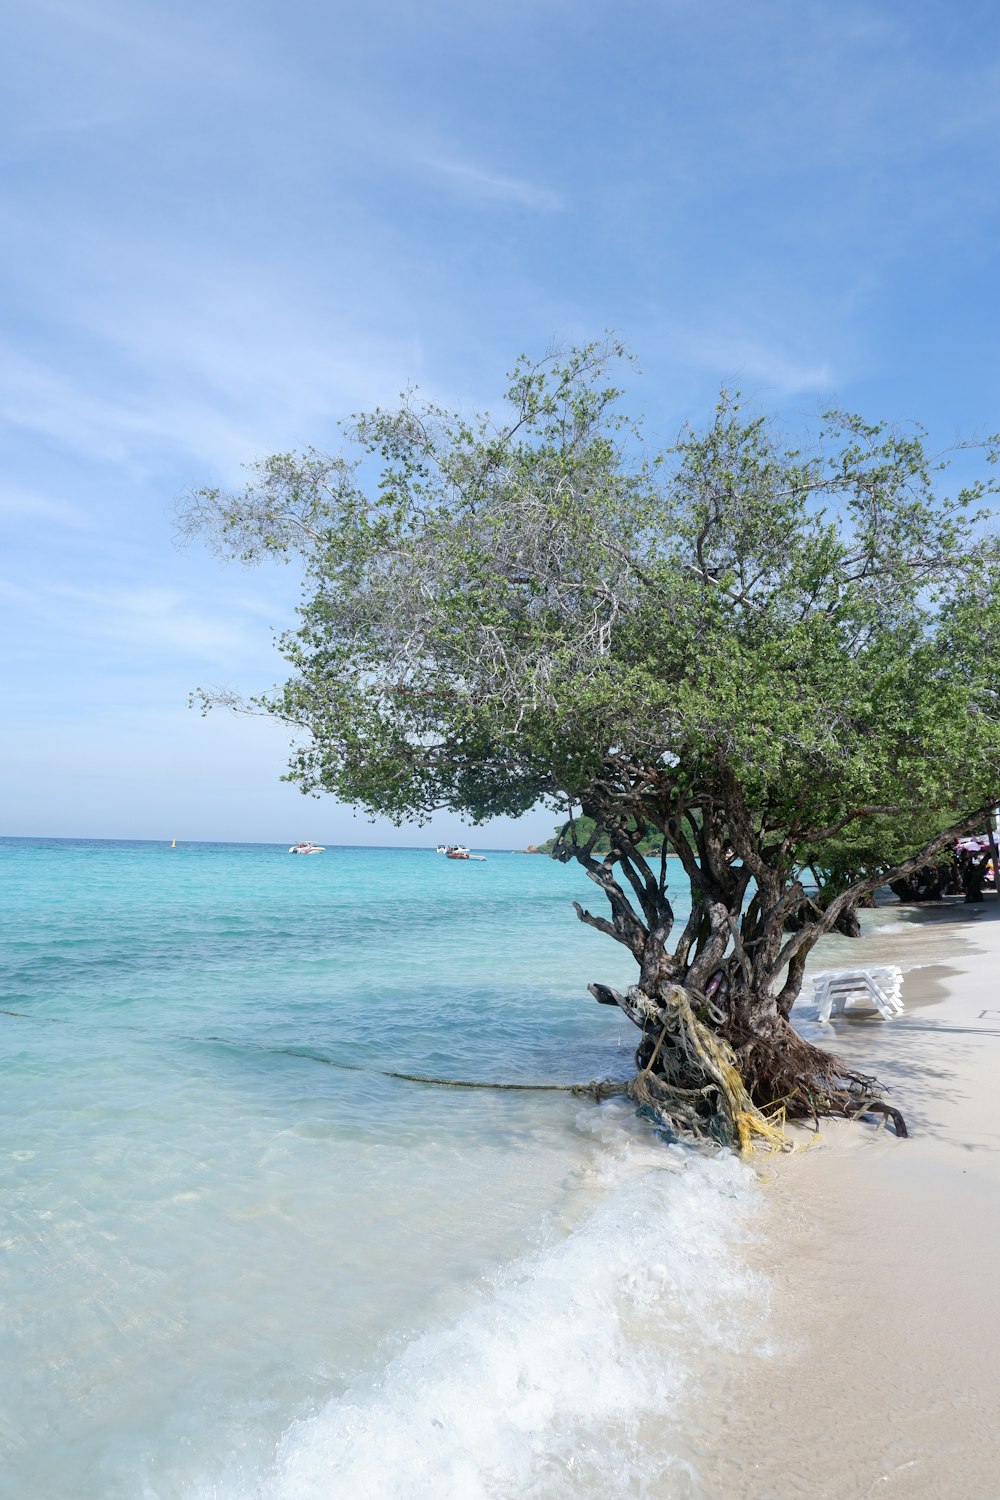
[
  {"x": 738, "y": 1091},
  {"x": 690, "y": 1083}
]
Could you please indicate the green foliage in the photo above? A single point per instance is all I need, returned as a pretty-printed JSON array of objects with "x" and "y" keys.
[
  {"x": 799, "y": 641},
  {"x": 647, "y": 843},
  {"x": 874, "y": 845}
]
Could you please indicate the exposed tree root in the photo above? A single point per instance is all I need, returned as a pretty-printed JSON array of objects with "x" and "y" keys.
[
  {"x": 777, "y": 1064},
  {"x": 739, "y": 1091},
  {"x": 689, "y": 1080}
]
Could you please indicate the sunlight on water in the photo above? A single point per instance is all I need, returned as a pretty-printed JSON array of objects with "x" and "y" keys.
[
  {"x": 566, "y": 1375},
  {"x": 230, "y": 1262}
]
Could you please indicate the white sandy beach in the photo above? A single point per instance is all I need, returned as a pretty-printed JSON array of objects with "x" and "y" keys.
[{"x": 885, "y": 1255}]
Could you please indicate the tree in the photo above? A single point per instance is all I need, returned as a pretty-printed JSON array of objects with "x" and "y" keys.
[
  {"x": 651, "y": 844},
  {"x": 745, "y": 649},
  {"x": 874, "y": 846}
]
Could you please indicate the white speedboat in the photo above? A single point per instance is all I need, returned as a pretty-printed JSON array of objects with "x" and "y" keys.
[
  {"x": 454, "y": 851},
  {"x": 307, "y": 848}
]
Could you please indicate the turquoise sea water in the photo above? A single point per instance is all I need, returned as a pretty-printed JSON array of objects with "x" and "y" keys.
[{"x": 237, "y": 1260}]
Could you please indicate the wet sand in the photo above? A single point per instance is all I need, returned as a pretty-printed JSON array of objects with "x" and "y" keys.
[{"x": 884, "y": 1376}]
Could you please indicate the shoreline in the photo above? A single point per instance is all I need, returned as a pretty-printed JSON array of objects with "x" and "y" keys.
[{"x": 883, "y": 1376}]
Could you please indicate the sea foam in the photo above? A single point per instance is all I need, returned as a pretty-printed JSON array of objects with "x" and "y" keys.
[{"x": 575, "y": 1371}]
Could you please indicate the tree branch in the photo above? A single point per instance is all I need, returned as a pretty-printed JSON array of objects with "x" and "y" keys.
[{"x": 853, "y": 894}]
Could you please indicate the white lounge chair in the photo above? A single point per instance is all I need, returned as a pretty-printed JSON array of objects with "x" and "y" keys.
[{"x": 879, "y": 988}]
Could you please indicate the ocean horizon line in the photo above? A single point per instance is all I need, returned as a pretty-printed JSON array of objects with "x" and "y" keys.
[{"x": 83, "y": 838}]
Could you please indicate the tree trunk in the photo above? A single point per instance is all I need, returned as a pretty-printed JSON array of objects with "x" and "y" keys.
[
  {"x": 848, "y": 923},
  {"x": 725, "y": 1064},
  {"x": 718, "y": 1056},
  {"x": 973, "y": 873}
]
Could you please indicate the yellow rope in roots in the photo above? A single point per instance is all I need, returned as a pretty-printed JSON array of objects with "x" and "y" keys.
[{"x": 698, "y": 1087}]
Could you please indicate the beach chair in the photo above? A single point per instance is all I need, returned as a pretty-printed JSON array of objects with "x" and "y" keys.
[{"x": 878, "y": 987}]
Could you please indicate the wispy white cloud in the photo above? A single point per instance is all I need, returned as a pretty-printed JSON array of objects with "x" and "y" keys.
[
  {"x": 226, "y": 226},
  {"x": 210, "y": 359},
  {"x": 141, "y": 622},
  {"x": 477, "y": 182},
  {"x": 106, "y": 63},
  {"x": 773, "y": 370},
  {"x": 24, "y": 505},
  {"x": 115, "y": 426}
]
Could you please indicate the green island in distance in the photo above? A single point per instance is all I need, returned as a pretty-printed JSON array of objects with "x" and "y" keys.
[{"x": 651, "y": 844}]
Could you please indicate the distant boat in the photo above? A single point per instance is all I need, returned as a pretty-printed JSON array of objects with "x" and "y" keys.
[
  {"x": 460, "y": 853},
  {"x": 453, "y": 851},
  {"x": 307, "y": 848}
]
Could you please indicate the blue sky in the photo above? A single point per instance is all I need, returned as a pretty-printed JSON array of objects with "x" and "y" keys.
[{"x": 225, "y": 225}]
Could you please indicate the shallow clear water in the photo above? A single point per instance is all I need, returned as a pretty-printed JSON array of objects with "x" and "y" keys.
[{"x": 237, "y": 1259}]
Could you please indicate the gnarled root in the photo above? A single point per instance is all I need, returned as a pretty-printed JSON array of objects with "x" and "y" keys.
[
  {"x": 689, "y": 1080},
  {"x": 737, "y": 1090},
  {"x": 780, "y": 1066}
]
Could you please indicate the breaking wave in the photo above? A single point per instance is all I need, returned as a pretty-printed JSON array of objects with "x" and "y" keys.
[{"x": 577, "y": 1368}]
